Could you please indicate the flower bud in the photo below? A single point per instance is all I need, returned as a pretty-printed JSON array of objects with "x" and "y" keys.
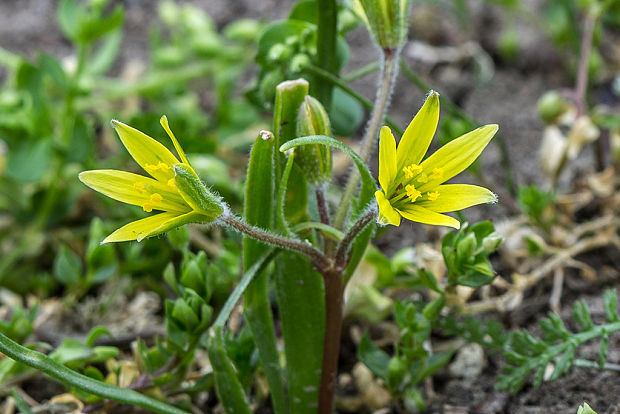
[
  {"x": 491, "y": 242},
  {"x": 466, "y": 247},
  {"x": 195, "y": 193},
  {"x": 386, "y": 20},
  {"x": 550, "y": 106},
  {"x": 315, "y": 161}
]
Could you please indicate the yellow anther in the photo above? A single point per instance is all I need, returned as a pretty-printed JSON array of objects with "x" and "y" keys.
[
  {"x": 422, "y": 178},
  {"x": 432, "y": 196},
  {"x": 140, "y": 186},
  {"x": 437, "y": 173},
  {"x": 408, "y": 173},
  {"x": 156, "y": 198},
  {"x": 171, "y": 183},
  {"x": 148, "y": 207},
  {"x": 415, "y": 168},
  {"x": 160, "y": 166},
  {"x": 412, "y": 193},
  {"x": 411, "y": 170}
]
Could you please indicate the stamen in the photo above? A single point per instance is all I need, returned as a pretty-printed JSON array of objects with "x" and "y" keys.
[
  {"x": 171, "y": 183},
  {"x": 408, "y": 173},
  {"x": 156, "y": 198},
  {"x": 415, "y": 168},
  {"x": 148, "y": 207},
  {"x": 437, "y": 173},
  {"x": 412, "y": 193},
  {"x": 164, "y": 123},
  {"x": 422, "y": 178},
  {"x": 432, "y": 196}
]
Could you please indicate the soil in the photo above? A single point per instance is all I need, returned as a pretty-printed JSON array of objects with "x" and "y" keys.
[{"x": 508, "y": 97}]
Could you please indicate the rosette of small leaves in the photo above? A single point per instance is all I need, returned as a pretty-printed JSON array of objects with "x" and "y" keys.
[
  {"x": 189, "y": 315},
  {"x": 412, "y": 362},
  {"x": 466, "y": 254},
  {"x": 525, "y": 353}
]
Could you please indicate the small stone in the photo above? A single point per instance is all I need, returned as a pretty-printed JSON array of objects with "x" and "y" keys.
[{"x": 469, "y": 362}]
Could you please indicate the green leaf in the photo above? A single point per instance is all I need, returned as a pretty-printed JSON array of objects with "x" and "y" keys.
[
  {"x": 106, "y": 55},
  {"x": 474, "y": 279},
  {"x": 52, "y": 67},
  {"x": 67, "y": 376},
  {"x": 431, "y": 310},
  {"x": 95, "y": 333},
  {"x": 228, "y": 387},
  {"x": 258, "y": 210},
  {"x": 68, "y": 15},
  {"x": 374, "y": 358},
  {"x": 581, "y": 314},
  {"x": 428, "y": 279},
  {"x": 346, "y": 113},
  {"x": 301, "y": 303},
  {"x": 67, "y": 267},
  {"x": 20, "y": 403},
  {"x": 30, "y": 161},
  {"x": 610, "y": 303},
  {"x": 602, "y": 353},
  {"x": 92, "y": 29}
]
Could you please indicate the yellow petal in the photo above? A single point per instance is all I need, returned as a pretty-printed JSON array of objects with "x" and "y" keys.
[
  {"x": 420, "y": 214},
  {"x": 454, "y": 197},
  {"x": 387, "y": 213},
  {"x": 456, "y": 155},
  {"x": 135, "y": 189},
  {"x": 151, "y": 226},
  {"x": 387, "y": 158},
  {"x": 147, "y": 152},
  {"x": 419, "y": 134}
]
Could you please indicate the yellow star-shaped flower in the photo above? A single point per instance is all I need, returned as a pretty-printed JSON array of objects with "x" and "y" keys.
[
  {"x": 414, "y": 189},
  {"x": 175, "y": 189}
]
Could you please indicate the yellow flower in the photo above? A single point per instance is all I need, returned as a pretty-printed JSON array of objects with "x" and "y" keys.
[
  {"x": 414, "y": 189},
  {"x": 175, "y": 189}
]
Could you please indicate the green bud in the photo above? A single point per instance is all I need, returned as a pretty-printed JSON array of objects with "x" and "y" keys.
[
  {"x": 466, "y": 247},
  {"x": 279, "y": 53},
  {"x": 492, "y": 242},
  {"x": 315, "y": 161},
  {"x": 397, "y": 368},
  {"x": 184, "y": 314},
  {"x": 244, "y": 30},
  {"x": 550, "y": 106},
  {"x": 196, "y": 194},
  {"x": 298, "y": 62},
  {"x": 386, "y": 20}
]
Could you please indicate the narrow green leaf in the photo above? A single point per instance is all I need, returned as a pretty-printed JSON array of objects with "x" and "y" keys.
[
  {"x": 69, "y": 377},
  {"x": 374, "y": 358},
  {"x": 602, "y": 353},
  {"x": 300, "y": 294},
  {"x": 581, "y": 314},
  {"x": 258, "y": 210},
  {"x": 227, "y": 384},
  {"x": 610, "y": 302}
]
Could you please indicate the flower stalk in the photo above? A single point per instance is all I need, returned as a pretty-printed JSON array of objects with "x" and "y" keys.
[{"x": 386, "y": 85}]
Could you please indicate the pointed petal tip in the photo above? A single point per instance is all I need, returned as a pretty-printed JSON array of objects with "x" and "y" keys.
[
  {"x": 114, "y": 123},
  {"x": 433, "y": 93}
]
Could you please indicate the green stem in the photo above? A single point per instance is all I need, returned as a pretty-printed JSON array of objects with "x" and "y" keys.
[
  {"x": 328, "y": 231},
  {"x": 386, "y": 82},
  {"x": 361, "y": 72},
  {"x": 349, "y": 91},
  {"x": 67, "y": 376},
  {"x": 348, "y": 239},
  {"x": 113, "y": 89},
  {"x": 318, "y": 258},
  {"x": 327, "y": 12}
]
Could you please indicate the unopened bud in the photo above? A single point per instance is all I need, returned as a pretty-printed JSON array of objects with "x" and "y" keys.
[
  {"x": 491, "y": 242},
  {"x": 550, "y": 106},
  {"x": 195, "y": 193},
  {"x": 466, "y": 247},
  {"x": 314, "y": 160},
  {"x": 386, "y": 20}
]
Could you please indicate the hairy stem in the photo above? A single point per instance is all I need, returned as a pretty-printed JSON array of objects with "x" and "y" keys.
[
  {"x": 318, "y": 258},
  {"x": 386, "y": 82},
  {"x": 345, "y": 244}
]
